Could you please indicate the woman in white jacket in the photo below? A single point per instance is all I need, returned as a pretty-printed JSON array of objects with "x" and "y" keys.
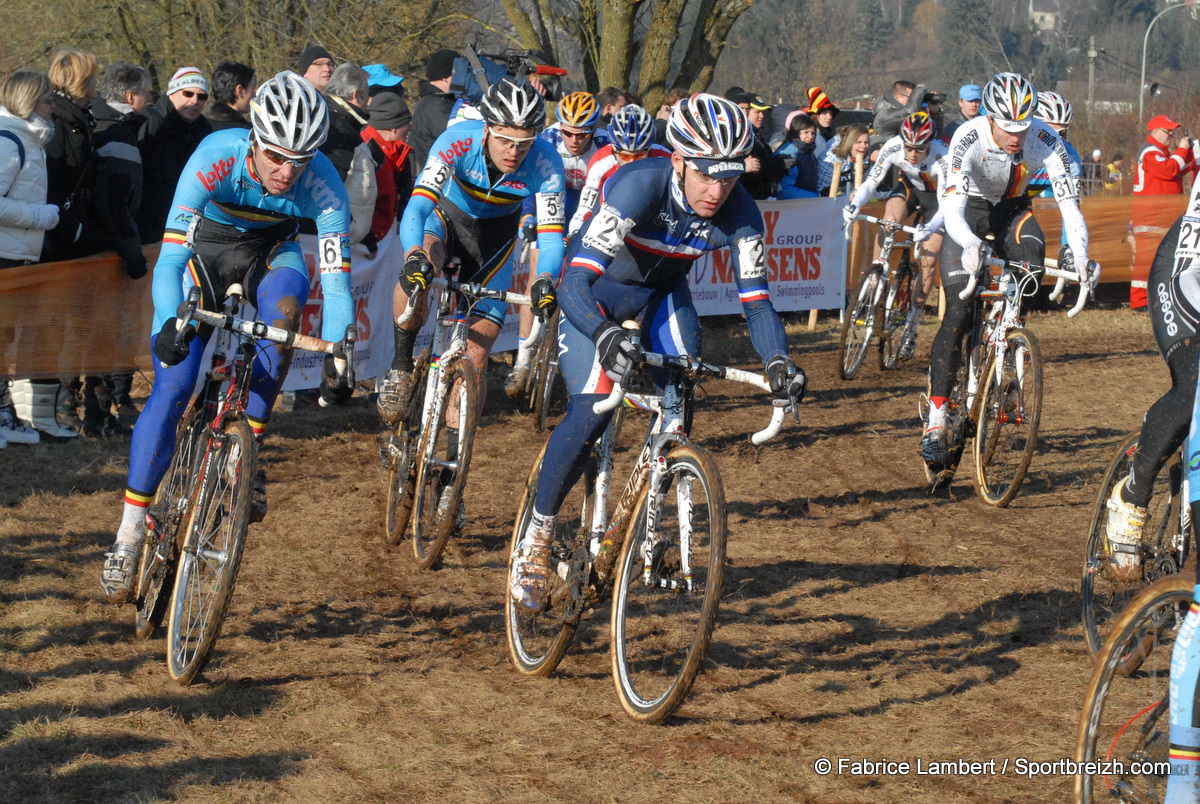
[
  {"x": 24, "y": 214},
  {"x": 25, "y": 107}
]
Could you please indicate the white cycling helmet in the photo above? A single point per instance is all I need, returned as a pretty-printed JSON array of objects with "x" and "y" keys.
[
  {"x": 1054, "y": 108},
  {"x": 514, "y": 104},
  {"x": 1010, "y": 100},
  {"x": 631, "y": 129},
  {"x": 288, "y": 112},
  {"x": 712, "y": 132}
]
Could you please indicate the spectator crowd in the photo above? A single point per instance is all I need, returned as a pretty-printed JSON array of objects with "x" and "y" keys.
[{"x": 89, "y": 162}]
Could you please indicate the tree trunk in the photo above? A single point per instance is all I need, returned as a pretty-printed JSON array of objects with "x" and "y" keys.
[
  {"x": 525, "y": 27},
  {"x": 656, "y": 54},
  {"x": 701, "y": 57},
  {"x": 616, "y": 42}
]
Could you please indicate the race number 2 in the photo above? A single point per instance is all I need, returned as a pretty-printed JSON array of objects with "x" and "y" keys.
[
  {"x": 752, "y": 260},
  {"x": 607, "y": 231}
]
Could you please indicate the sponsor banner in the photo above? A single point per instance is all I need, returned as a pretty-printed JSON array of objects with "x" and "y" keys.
[{"x": 805, "y": 260}]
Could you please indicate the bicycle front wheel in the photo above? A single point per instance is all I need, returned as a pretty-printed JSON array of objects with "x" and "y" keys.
[
  {"x": 1009, "y": 410},
  {"x": 401, "y": 459},
  {"x": 1125, "y": 721},
  {"x": 896, "y": 309},
  {"x": 441, "y": 477},
  {"x": 212, "y": 551},
  {"x": 668, "y": 585},
  {"x": 538, "y": 641},
  {"x": 1165, "y": 546},
  {"x": 548, "y": 397},
  {"x": 861, "y": 317},
  {"x": 160, "y": 550}
]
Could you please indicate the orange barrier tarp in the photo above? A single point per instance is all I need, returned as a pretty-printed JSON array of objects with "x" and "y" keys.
[{"x": 82, "y": 316}]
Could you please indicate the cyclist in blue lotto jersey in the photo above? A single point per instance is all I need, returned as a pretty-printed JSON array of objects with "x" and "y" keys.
[
  {"x": 658, "y": 216},
  {"x": 236, "y": 208},
  {"x": 467, "y": 205},
  {"x": 574, "y": 138}
]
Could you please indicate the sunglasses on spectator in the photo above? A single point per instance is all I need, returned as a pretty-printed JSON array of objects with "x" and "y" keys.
[
  {"x": 277, "y": 158},
  {"x": 190, "y": 93},
  {"x": 322, "y": 63},
  {"x": 517, "y": 144}
]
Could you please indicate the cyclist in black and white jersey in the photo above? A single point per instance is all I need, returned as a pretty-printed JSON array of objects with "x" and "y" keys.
[
  {"x": 991, "y": 161},
  {"x": 1174, "y": 296},
  {"x": 921, "y": 161}
]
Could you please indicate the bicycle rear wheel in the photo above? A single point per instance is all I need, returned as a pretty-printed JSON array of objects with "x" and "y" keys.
[
  {"x": 668, "y": 586},
  {"x": 212, "y": 551},
  {"x": 401, "y": 459},
  {"x": 538, "y": 641},
  {"x": 1009, "y": 411},
  {"x": 440, "y": 479},
  {"x": 861, "y": 318},
  {"x": 896, "y": 309},
  {"x": 1166, "y": 549},
  {"x": 1125, "y": 718},
  {"x": 160, "y": 550}
]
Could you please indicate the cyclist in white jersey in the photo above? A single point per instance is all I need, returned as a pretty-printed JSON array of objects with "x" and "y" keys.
[
  {"x": 991, "y": 160},
  {"x": 921, "y": 161},
  {"x": 573, "y": 136}
]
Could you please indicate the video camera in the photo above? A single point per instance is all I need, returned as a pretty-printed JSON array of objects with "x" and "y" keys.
[
  {"x": 933, "y": 97},
  {"x": 476, "y": 71}
]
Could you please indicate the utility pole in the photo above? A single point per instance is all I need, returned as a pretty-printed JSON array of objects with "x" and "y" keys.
[{"x": 1092, "y": 53}]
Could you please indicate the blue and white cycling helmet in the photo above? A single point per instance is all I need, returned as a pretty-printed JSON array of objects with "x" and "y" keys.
[
  {"x": 631, "y": 129},
  {"x": 712, "y": 133},
  {"x": 287, "y": 112}
]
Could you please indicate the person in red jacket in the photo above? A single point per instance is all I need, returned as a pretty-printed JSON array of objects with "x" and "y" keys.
[
  {"x": 1159, "y": 169},
  {"x": 386, "y": 136},
  {"x": 1165, "y": 159}
]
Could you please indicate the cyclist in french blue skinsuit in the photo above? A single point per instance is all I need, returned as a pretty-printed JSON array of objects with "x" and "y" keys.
[
  {"x": 236, "y": 207},
  {"x": 658, "y": 216},
  {"x": 467, "y": 204}
]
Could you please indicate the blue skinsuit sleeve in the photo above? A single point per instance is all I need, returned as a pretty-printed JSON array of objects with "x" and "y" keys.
[
  {"x": 333, "y": 246},
  {"x": 750, "y": 271}
]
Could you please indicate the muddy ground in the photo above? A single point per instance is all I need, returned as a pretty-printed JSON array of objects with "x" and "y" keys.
[{"x": 862, "y": 618}]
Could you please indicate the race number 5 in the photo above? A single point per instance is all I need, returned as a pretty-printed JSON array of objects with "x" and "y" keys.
[
  {"x": 435, "y": 175},
  {"x": 550, "y": 209}
]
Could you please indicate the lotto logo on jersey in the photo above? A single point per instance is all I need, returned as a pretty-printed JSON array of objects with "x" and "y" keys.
[
  {"x": 456, "y": 149},
  {"x": 217, "y": 170}
]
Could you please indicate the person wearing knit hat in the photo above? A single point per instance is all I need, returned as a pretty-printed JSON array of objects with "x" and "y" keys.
[
  {"x": 822, "y": 111},
  {"x": 440, "y": 66},
  {"x": 188, "y": 91},
  {"x": 432, "y": 112},
  {"x": 315, "y": 65},
  {"x": 389, "y": 111},
  {"x": 174, "y": 127}
]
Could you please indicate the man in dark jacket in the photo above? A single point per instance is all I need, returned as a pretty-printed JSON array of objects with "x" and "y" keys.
[
  {"x": 119, "y": 109},
  {"x": 175, "y": 125},
  {"x": 763, "y": 169},
  {"x": 233, "y": 86},
  {"x": 890, "y": 110},
  {"x": 433, "y": 109}
]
